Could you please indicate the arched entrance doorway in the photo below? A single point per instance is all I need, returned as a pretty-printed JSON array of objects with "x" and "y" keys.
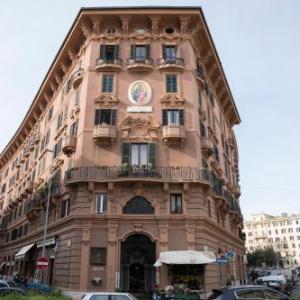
[{"x": 137, "y": 259}]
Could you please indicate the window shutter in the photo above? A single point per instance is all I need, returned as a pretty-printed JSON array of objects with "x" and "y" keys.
[
  {"x": 125, "y": 153},
  {"x": 181, "y": 117},
  {"x": 104, "y": 202},
  {"x": 102, "y": 51},
  {"x": 113, "y": 117},
  {"x": 116, "y": 51},
  {"x": 164, "y": 51},
  {"x": 147, "y": 51},
  {"x": 132, "y": 52},
  {"x": 97, "y": 116},
  {"x": 152, "y": 154},
  {"x": 165, "y": 117}
]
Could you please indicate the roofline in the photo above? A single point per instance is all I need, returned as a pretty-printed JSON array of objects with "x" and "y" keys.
[{"x": 86, "y": 9}]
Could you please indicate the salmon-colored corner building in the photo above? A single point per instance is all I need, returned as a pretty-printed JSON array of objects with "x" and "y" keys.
[{"x": 131, "y": 135}]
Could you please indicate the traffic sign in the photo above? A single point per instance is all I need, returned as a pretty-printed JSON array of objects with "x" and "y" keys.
[{"x": 42, "y": 263}]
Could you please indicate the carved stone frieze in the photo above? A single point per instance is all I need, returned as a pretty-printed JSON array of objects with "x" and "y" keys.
[
  {"x": 172, "y": 101},
  {"x": 106, "y": 100},
  {"x": 139, "y": 129}
]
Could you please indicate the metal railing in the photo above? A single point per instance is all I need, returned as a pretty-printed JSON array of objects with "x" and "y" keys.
[
  {"x": 109, "y": 61},
  {"x": 177, "y": 61},
  {"x": 104, "y": 173},
  {"x": 137, "y": 60}
]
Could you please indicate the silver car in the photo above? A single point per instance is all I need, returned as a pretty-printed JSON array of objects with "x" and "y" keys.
[{"x": 108, "y": 296}]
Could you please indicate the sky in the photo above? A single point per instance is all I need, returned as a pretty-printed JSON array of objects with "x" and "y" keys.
[{"x": 258, "y": 42}]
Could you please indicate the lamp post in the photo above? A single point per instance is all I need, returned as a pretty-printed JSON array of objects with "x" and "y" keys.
[{"x": 46, "y": 218}]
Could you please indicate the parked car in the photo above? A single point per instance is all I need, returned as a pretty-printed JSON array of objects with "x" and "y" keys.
[
  {"x": 276, "y": 283},
  {"x": 10, "y": 290},
  {"x": 108, "y": 296},
  {"x": 254, "y": 292},
  {"x": 288, "y": 273},
  {"x": 9, "y": 284}
]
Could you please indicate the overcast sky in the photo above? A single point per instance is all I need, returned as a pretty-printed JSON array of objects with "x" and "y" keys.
[{"x": 258, "y": 42}]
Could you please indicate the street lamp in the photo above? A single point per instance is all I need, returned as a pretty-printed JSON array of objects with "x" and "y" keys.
[{"x": 46, "y": 217}]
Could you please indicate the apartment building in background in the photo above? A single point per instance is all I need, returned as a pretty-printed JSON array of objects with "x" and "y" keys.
[
  {"x": 131, "y": 135},
  {"x": 282, "y": 233}
]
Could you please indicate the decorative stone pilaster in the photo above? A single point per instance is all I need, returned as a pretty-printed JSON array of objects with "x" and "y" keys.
[
  {"x": 125, "y": 25},
  {"x": 190, "y": 235},
  {"x": 85, "y": 258},
  {"x": 112, "y": 255},
  {"x": 96, "y": 26},
  {"x": 154, "y": 25},
  {"x": 71, "y": 54},
  {"x": 86, "y": 30},
  {"x": 184, "y": 21}
]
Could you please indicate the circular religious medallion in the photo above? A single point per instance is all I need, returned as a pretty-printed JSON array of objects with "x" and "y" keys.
[{"x": 139, "y": 92}]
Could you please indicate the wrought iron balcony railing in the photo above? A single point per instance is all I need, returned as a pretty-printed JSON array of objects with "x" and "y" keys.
[{"x": 147, "y": 172}]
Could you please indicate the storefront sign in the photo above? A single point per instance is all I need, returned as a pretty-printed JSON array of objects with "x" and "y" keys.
[
  {"x": 49, "y": 242},
  {"x": 136, "y": 109}
]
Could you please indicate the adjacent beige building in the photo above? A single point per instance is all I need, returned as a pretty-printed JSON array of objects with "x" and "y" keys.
[
  {"x": 282, "y": 233},
  {"x": 133, "y": 126}
]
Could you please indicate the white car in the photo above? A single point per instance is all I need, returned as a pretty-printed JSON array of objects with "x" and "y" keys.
[
  {"x": 3, "y": 283},
  {"x": 108, "y": 296},
  {"x": 281, "y": 278}
]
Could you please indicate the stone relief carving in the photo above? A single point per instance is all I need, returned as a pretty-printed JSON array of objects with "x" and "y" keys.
[
  {"x": 107, "y": 100},
  {"x": 139, "y": 129}
]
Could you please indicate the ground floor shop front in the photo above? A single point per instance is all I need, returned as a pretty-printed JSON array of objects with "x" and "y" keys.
[{"x": 119, "y": 253}]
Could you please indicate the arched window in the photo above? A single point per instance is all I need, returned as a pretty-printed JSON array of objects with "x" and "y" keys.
[{"x": 138, "y": 205}]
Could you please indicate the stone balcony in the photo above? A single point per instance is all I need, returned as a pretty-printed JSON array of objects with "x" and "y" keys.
[
  {"x": 171, "y": 64},
  {"x": 69, "y": 144},
  {"x": 104, "y": 134},
  {"x": 207, "y": 145},
  {"x": 114, "y": 64},
  {"x": 140, "y": 65},
  {"x": 174, "y": 134},
  {"x": 77, "y": 78}
]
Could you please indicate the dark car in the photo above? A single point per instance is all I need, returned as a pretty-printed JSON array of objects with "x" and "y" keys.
[
  {"x": 249, "y": 292},
  {"x": 10, "y": 290}
]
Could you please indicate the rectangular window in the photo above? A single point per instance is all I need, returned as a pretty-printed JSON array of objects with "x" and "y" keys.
[
  {"x": 65, "y": 208},
  {"x": 57, "y": 148},
  {"x": 169, "y": 53},
  {"x": 50, "y": 113},
  {"x": 107, "y": 83},
  {"x": 74, "y": 128},
  {"x": 98, "y": 256},
  {"x": 176, "y": 203},
  {"x": 59, "y": 120},
  {"x": 109, "y": 52},
  {"x": 171, "y": 83},
  {"x": 105, "y": 116},
  {"x": 139, "y": 154},
  {"x": 101, "y": 203},
  {"x": 202, "y": 130},
  {"x": 173, "y": 117},
  {"x": 140, "y": 53}
]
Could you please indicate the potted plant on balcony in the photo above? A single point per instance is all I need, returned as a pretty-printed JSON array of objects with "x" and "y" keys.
[{"x": 124, "y": 170}]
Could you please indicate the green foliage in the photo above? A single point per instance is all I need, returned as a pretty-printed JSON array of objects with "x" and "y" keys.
[
  {"x": 33, "y": 295},
  {"x": 260, "y": 257}
]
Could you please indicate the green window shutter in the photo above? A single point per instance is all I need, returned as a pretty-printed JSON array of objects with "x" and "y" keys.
[
  {"x": 165, "y": 117},
  {"x": 97, "y": 116},
  {"x": 164, "y": 51},
  {"x": 116, "y": 51},
  {"x": 152, "y": 154},
  {"x": 113, "y": 117},
  {"x": 102, "y": 51},
  {"x": 132, "y": 52},
  {"x": 147, "y": 51},
  {"x": 125, "y": 153},
  {"x": 181, "y": 117}
]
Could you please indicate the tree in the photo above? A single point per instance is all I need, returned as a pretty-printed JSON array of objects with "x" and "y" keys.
[{"x": 263, "y": 256}]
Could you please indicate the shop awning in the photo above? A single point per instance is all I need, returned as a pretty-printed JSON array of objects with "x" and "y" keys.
[
  {"x": 22, "y": 252},
  {"x": 188, "y": 257}
]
